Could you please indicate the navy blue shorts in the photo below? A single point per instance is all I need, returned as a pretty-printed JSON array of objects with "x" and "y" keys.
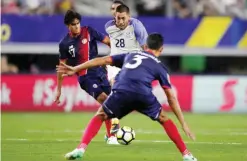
[
  {"x": 120, "y": 103},
  {"x": 95, "y": 86}
]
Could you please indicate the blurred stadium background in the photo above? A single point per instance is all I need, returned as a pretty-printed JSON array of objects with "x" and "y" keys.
[{"x": 205, "y": 50}]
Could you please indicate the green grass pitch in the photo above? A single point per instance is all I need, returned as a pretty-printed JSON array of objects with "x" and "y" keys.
[{"x": 48, "y": 136}]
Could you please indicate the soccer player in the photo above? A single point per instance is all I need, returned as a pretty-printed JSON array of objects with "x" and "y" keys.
[
  {"x": 126, "y": 34},
  {"x": 79, "y": 46},
  {"x": 133, "y": 83}
]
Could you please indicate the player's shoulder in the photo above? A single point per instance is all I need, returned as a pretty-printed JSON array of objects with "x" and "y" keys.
[
  {"x": 109, "y": 23},
  {"x": 155, "y": 61},
  {"x": 135, "y": 22},
  {"x": 89, "y": 28},
  {"x": 163, "y": 67},
  {"x": 64, "y": 40},
  {"x": 150, "y": 56}
]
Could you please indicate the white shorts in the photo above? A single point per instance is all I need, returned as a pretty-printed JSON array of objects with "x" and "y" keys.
[{"x": 112, "y": 72}]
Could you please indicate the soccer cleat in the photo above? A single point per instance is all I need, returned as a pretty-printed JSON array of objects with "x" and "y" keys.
[
  {"x": 189, "y": 157},
  {"x": 75, "y": 154},
  {"x": 112, "y": 141},
  {"x": 114, "y": 126}
]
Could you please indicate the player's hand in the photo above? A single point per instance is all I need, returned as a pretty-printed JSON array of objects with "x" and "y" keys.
[
  {"x": 65, "y": 70},
  {"x": 188, "y": 132},
  {"x": 57, "y": 98}
]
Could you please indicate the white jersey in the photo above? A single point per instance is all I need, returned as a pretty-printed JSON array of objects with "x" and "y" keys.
[
  {"x": 128, "y": 40},
  {"x": 131, "y": 39}
]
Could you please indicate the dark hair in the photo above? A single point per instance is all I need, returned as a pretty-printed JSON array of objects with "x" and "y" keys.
[
  {"x": 155, "y": 41},
  {"x": 70, "y": 16},
  {"x": 123, "y": 8},
  {"x": 118, "y": 2}
]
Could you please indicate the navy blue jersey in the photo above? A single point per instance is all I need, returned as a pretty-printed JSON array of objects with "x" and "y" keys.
[
  {"x": 138, "y": 72},
  {"x": 82, "y": 48}
]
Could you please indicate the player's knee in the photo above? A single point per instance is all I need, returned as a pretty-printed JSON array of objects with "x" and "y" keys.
[
  {"x": 101, "y": 98},
  {"x": 101, "y": 114},
  {"x": 163, "y": 117}
]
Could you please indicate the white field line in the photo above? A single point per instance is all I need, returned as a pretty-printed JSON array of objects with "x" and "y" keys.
[
  {"x": 139, "y": 141},
  {"x": 140, "y": 131}
]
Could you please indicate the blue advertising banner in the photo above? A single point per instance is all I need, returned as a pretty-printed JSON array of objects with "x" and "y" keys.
[{"x": 207, "y": 32}]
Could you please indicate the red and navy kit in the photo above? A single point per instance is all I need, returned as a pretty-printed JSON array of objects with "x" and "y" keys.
[{"x": 77, "y": 50}]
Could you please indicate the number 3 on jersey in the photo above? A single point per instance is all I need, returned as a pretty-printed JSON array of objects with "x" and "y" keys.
[
  {"x": 138, "y": 61},
  {"x": 120, "y": 43}
]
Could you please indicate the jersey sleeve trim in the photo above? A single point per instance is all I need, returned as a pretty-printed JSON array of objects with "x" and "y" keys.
[{"x": 166, "y": 87}]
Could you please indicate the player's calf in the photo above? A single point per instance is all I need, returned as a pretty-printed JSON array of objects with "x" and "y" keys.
[
  {"x": 174, "y": 135},
  {"x": 112, "y": 140},
  {"x": 90, "y": 132}
]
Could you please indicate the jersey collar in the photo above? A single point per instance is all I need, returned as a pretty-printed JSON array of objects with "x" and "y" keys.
[
  {"x": 150, "y": 52},
  {"x": 71, "y": 35}
]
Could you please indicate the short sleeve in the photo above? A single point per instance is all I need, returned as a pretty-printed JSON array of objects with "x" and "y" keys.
[
  {"x": 62, "y": 52},
  {"x": 118, "y": 60},
  {"x": 164, "y": 78},
  {"x": 140, "y": 32},
  {"x": 108, "y": 25},
  {"x": 96, "y": 35}
]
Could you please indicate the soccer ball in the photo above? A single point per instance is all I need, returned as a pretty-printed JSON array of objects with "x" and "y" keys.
[{"x": 125, "y": 135}]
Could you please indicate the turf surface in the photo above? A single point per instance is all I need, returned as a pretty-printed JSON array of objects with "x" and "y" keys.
[{"x": 48, "y": 136}]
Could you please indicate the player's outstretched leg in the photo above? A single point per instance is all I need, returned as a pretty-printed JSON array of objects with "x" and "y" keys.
[
  {"x": 112, "y": 126},
  {"x": 114, "y": 122},
  {"x": 174, "y": 135},
  {"x": 92, "y": 129}
]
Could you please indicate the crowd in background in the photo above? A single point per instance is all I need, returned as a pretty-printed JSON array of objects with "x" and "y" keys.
[
  {"x": 167, "y": 8},
  {"x": 170, "y": 8}
]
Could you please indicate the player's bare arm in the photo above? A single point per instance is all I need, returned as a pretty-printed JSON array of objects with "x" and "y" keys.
[
  {"x": 59, "y": 84},
  {"x": 67, "y": 70},
  {"x": 173, "y": 102}
]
